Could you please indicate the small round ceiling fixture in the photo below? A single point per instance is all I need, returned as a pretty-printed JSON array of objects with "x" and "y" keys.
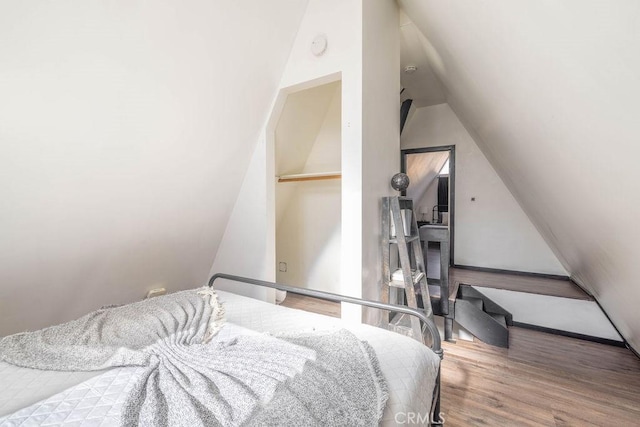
[
  {"x": 319, "y": 45},
  {"x": 410, "y": 69}
]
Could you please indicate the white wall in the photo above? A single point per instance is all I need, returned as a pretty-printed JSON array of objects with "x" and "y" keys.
[
  {"x": 327, "y": 147},
  {"x": 491, "y": 231},
  {"x": 308, "y": 231},
  {"x": 380, "y": 132},
  {"x": 302, "y": 117},
  {"x": 308, "y": 237},
  {"x": 125, "y": 134},
  {"x": 244, "y": 234}
]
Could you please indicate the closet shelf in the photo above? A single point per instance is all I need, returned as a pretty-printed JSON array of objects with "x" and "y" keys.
[{"x": 310, "y": 176}]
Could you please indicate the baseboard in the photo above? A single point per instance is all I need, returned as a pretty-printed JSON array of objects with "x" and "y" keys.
[
  {"x": 514, "y": 272},
  {"x": 633, "y": 350},
  {"x": 572, "y": 335}
]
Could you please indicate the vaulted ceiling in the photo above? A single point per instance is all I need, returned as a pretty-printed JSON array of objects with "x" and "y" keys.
[
  {"x": 549, "y": 90},
  {"x": 420, "y": 83}
]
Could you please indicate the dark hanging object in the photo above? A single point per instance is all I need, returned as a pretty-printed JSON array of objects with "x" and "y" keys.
[
  {"x": 443, "y": 194},
  {"x": 404, "y": 112}
]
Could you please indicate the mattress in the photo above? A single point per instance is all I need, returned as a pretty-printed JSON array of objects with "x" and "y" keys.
[{"x": 33, "y": 397}]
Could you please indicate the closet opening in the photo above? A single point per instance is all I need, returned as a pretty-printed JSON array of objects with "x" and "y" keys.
[{"x": 308, "y": 144}]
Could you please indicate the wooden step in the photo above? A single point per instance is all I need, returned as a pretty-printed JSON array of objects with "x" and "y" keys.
[{"x": 518, "y": 282}]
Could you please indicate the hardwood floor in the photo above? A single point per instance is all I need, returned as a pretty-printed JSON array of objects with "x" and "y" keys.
[
  {"x": 541, "y": 380},
  {"x": 501, "y": 280},
  {"x": 515, "y": 282},
  {"x": 312, "y": 304}
]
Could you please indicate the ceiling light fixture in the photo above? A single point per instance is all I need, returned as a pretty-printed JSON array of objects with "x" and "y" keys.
[
  {"x": 410, "y": 69},
  {"x": 319, "y": 45}
]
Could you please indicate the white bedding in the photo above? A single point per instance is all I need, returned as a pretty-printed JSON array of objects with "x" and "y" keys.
[{"x": 32, "y": 397}]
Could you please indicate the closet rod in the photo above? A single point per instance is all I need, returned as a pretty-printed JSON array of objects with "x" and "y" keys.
[{"x": 309, "y": 176}]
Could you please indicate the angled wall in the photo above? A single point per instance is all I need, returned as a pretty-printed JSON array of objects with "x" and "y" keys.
[
  {"x": 491, "y": 231},
  {"x": 550, "y": 93},
  {"x": 126, "y": 131}
]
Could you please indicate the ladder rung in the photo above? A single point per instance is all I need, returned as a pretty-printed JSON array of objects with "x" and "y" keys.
[
  {"x": 417, "y": 277},
  {"x": 408, "y": 239}
]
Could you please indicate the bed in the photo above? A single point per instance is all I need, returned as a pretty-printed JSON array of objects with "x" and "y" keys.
[{"x": 410, "y": 369}]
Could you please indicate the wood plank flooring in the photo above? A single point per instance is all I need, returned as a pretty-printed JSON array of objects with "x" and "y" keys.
[
  {"x": 541, "y": 380},
  {"x": 313, "y": 305},
  {"x": 516, "y": 282},
  {"x": 501, "y": 280}
]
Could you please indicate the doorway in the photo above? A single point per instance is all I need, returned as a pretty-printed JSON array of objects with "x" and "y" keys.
[{"x": 431, "y": 172}]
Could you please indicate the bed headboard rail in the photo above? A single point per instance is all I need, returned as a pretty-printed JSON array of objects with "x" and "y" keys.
[{"x": 328, "y": 296}]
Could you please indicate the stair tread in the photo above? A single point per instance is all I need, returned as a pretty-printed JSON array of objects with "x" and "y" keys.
[{"x": 476, "y": 302}]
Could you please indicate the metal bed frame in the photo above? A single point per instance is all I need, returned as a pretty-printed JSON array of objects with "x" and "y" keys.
[{"x": 434, "y": 415}]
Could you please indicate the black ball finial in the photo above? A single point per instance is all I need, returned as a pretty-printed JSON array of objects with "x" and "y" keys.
[{"x": 400, "y": 181}]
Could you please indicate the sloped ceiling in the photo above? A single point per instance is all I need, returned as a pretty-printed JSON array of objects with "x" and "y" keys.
[
  {"x": 421, "y": 85},
  {"x": 126, "y": 130},
  {"x": 550, "y": 92}
]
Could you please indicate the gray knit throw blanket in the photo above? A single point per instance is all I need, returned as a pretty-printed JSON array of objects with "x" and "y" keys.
[{"x": 192, "y": 378}]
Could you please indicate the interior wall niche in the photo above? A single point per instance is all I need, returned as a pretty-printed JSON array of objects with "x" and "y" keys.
[{"x": 308, "y": 190}]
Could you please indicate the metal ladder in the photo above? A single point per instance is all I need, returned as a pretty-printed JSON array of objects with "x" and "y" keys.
[{"x": 401, "y": 241}]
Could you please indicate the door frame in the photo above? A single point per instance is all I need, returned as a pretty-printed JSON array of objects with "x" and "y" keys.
[{"x": 452, "y": 185}]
